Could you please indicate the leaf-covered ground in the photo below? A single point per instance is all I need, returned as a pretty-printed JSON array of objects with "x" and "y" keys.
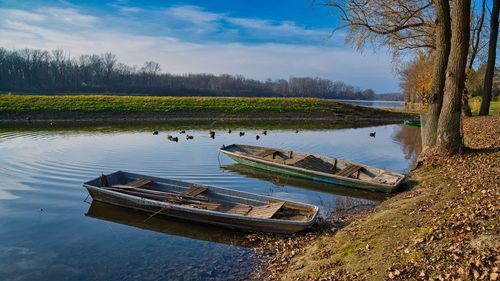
[{"x": 445, "y": 228}]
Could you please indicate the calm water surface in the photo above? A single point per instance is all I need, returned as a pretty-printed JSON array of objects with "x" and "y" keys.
[
  {"x": 48, "y": 232},
  {"x": 375, "y": 103}
]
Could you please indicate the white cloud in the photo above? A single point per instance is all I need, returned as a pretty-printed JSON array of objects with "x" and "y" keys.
[
  {"x": 69, "y": 16},
  {"x": 25, "y": 15},
  {"x": 193, "y": 14},
  {"x": 124, "y": 8},
  {"x": 129, "y": 10},
  {"x": 286, "y": 27},
  {"x": 257, "y": 61},
  {"x": 205, "y": 21}
]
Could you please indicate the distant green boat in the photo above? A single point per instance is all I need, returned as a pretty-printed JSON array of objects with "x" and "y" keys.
[
  {"x": 314, "y": 167},
  {"x": 415, "y": 123}
]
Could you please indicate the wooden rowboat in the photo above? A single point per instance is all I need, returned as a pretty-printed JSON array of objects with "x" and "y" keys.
[
  {"x": 415, "y": 123},
  {"x": 201, "y": 203},
  {"x": 315, "y": 167},
  {"x": 279, "y": 179}
]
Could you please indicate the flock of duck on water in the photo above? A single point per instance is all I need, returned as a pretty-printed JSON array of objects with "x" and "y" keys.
[{"x": 211, "y": 134}]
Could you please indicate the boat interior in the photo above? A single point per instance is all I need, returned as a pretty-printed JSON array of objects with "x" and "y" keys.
[
  {"x": 203, "y": 197},
  {"x": 328, "y": 165}
]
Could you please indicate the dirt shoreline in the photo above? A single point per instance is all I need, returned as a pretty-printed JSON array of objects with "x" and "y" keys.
[{"x": 444, "y": 228}]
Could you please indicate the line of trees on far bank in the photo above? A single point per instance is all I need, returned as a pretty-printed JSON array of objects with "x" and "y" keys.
[{"x": 41, "y": 71}]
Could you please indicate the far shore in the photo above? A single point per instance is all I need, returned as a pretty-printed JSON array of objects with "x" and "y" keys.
[{"x": 129, "y": 109}]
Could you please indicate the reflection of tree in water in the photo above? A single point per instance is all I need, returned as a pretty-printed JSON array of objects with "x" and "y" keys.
[{"x": 409, "y": 138}]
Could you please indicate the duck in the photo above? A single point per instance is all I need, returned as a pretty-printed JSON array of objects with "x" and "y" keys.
[
  {"x": 211, "y": 134},
  {"x": 229, "y": 131},
  {"x": 176, "y": 139},
  {"x": 242, "y": 134},
  {"x": 182, "y": 132},
  {"x": 257, "y": 137},
  {"x": 169, "y": 137},
  {"x": 296, "y": 131},
  {"x": 264, "y": 132},
  {"x": 188, "y": 137},
  {"x": 373, "y": 134},
  {"x": 155, "y": 133}
]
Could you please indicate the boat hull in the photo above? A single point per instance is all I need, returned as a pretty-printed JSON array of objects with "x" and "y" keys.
[
  {"x": 201, "y": 216},
  {"x": 306, "y": 175}
]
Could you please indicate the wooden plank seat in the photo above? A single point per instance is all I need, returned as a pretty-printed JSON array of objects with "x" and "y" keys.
[
  {"x": 265, "y": 211},
  {"x": 138, "y": 183},
  {"x": 134, "y": 184},
  {"x": 386, "y": 178},
  {"x": 349, "y": 170},
  {"x": 194, "y": 191},
  {"x": 268, "y": 152},
  {"x": 240, "y": 209},
  {"x": 311, "y": 162}
]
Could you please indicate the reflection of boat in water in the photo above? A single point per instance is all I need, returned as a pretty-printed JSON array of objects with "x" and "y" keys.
[
  {"x": 314, "y": 167},
  {"x": 163, "y": 224},
  {"x": 281, "y": 180},
  {"x": 202, "y": 203}
]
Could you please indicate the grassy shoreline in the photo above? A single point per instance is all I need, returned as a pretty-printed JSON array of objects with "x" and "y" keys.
[
  {"x": 145, "y": 108},
  {"x": 445, "y": 227}
]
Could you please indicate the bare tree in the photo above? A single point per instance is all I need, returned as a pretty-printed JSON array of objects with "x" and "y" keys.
[
  {"x": 440, "y": 58},
  {"x": 449, "y": 138},
  {"x": 109, "y": 61},
  {"x": 475, "y": 47},
  {"x": 490, "y": 65},
  {"x": 401, "y": 25},
  {"x": 406, "y": 25}
]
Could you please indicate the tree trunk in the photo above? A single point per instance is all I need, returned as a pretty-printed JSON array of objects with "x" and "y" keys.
[
  {"x": 475, "y": 40},
  {"x": 449, "y": 138},
  {"x": 490, "y": 66},
  {"x": 440, "y": 54}
]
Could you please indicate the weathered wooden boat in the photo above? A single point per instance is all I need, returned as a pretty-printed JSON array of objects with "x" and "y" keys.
[
  {"x": 415, "y": 123},
  {"x": 201, "y": 203},
  {"x": 284, "y": 179},
  {"x": 315, "y": 167}
]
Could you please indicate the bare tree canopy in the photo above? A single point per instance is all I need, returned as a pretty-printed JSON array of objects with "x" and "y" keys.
[{"x": 398, "y": 24}]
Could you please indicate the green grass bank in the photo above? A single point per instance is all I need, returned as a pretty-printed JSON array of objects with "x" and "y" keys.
[{"x": 100, "y": 107}]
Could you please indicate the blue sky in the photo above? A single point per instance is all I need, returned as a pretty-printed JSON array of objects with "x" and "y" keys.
[{"x": 259, "y": 39}]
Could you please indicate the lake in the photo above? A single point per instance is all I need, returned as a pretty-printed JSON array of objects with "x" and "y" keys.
[{"x": 50, "y": 230}]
